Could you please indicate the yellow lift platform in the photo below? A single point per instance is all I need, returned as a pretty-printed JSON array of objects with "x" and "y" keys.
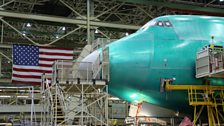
[
  {"x": 209, "y": 63},
  {"x": 203, "y": 96}
]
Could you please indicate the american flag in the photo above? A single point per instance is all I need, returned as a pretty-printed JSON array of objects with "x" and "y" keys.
[{"x": 31, "y": 62}]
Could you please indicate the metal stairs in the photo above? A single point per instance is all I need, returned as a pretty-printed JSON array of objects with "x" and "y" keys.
[
  {"x": 77, "y": 96},
  {"x": 58, "y": 112}
]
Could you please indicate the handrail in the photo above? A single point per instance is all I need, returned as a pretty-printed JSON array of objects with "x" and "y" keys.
[
  {"x": 170, "y": 86},
  {"x": 50, "y": 101},
  {"x": 63, "y": 72},
  {"x": 84, "y": 70},
  {"x": 61, "y": 99}
]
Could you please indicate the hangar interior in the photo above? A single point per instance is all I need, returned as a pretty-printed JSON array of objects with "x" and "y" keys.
[{"x": 82, "y": 98}]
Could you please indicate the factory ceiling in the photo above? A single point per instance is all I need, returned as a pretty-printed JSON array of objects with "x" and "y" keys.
[{"x": 63, "y": 23}]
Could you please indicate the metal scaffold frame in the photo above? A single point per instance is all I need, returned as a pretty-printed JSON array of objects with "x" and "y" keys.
[
  {"x": 10, "y": 100},
  {"x": 76, "y": 94}
]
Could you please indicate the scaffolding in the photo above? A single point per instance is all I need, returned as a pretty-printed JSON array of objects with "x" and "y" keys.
[
  {"x": 76, "y": 93},
  {"x": 18, "y": 102}
]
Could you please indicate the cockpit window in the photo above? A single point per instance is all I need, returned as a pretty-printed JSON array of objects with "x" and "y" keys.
[
  {"x": 157, "y": 23},
  {"x": 167, "y": 23}
]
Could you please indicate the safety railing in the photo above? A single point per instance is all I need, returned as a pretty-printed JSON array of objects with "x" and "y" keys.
[
  {"x": 205, "y": 97},
  {"x": 209, "y": 62},
  {"x": 85, "y": 80},
  {"x": 64, "y": 71},
  {"x": 197, "y": 97},
  {"x": 96, "y": 68},
  {"x": 61, "y": 98},
  {"x": 47, "y": 101}
]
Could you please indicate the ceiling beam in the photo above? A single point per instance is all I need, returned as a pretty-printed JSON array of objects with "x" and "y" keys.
[
  {"x": 3, "y": 80},
  {"x": 179, "y": 6},
  {"x": 61, "y": 43},
  {"x": 66, "y": 20},
  {"x": 9, "y": 46}
]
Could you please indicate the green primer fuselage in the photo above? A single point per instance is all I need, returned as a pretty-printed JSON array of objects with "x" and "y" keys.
[{"x": 140, "y": 60}]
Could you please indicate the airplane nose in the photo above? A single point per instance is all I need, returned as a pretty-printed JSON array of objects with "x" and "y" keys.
[
  {"x": 92, "y": 57},
  {"x": 87, "y": 66}
]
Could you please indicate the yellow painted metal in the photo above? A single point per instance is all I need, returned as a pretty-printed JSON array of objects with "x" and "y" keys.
[
  {"x": 197, "y": 115},
  {"x": 221, "y": 116},
  {"x": 203, "y": 95},
  {"x": 169, "y": 86}
]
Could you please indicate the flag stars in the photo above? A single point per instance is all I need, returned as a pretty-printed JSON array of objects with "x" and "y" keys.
[{"x": 25, "y": 55}]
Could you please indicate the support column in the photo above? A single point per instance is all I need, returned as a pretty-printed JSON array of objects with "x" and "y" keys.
[
  {"x": 0, "y": 66},
  {"x": 92, "y": 31},
  {"x": 88, "y": 22},
  {"x": 211, "y": 119},
  {"x": 172, "y": 121},
  {"x": 90, "y": 13},
  {"x": 2, "y": 31}
]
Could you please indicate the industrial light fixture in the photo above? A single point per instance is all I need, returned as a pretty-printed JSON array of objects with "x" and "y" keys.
[
  {"x": 5, "y": 96},
  {"x": 221, "y": 0},
  {"x": 28, "y": 25},
  {"x": 96, "y": 31},
  {"x": 24, "y": 34},
  {"x": 126, "y": 34},
  {"x": 57, "y": 36},
  {"x": 22, "y": 96},
  {"x": 63, "y": 28}
]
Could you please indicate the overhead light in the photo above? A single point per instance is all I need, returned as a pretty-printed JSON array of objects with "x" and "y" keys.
[
  {"x": 22, "y": 90},
  {"x": 5, "y": 96},
  {"x": 22, "y": 96},
  {"x": 57, "y": 36},
  {"x": 96, "y": 31},
  {"x": 28, "y": 25},
  {"x": 126, "y": 34},
  {"x": 221, "y": 0},
  {"x": 63, "y": 28},
  {"x": 24, "y": 34}
]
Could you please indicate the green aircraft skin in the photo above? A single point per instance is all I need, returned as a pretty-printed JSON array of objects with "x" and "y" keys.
[{"x": 164, "y": 48}]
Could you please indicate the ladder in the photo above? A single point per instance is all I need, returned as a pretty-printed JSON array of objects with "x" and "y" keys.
[{"x": 58, "y": 112}]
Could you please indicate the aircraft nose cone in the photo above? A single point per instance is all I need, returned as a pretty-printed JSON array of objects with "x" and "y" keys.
[
  {"x": 86, "y": 66},
  {"x": 92, "y": 57}
]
